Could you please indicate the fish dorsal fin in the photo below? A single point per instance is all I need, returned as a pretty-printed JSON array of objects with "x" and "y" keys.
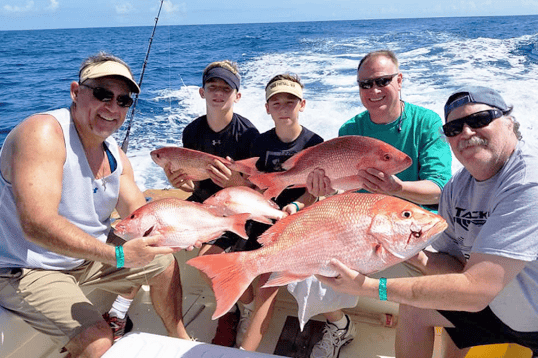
[{"x": 290, "y": 163}]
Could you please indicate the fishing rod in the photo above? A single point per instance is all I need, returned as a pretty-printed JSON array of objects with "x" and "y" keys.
[{"x": 125, "y": 143}]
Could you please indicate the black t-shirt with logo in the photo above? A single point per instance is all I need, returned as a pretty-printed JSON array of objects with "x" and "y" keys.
[{"x": 234, "y": 141}]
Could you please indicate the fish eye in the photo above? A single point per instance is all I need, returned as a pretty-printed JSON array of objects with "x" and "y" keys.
[
  {"x": 132, "y": 216},
  {"x": 407, "y": 214},
  {"x": 387, "y": 157}
]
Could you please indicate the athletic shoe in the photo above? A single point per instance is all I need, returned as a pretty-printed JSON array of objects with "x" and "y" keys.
[
  {"x": 227, "y": 329},
  {"x": 119, "y": 326},
  {"x": 333, "y": 340},
  {"x": 244, "y": 322}
]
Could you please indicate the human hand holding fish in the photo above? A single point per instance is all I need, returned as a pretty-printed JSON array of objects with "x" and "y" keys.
[
  {"x": 318, "y": 184},
  {"x": 379, "y": 182},
  {"x": 179, "y": 179},
  {"x": 348, "y": 280},
  {"x": 224, "y": 177},
  {"x": 139, "y": 252}
]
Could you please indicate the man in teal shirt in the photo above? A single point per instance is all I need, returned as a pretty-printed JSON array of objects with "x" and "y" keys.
[{"x": 412, "y": 129}]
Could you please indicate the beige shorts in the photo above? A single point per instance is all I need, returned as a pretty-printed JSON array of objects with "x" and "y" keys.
[{"x": 52, "y": 301}]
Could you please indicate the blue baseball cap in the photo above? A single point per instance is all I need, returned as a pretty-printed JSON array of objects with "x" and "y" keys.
[
  {"x": 224, "y": 74},
  {"x": 476, "y": 94}
]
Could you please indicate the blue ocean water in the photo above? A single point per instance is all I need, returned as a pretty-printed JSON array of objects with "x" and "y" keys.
[{"x": 436, "y": 55}]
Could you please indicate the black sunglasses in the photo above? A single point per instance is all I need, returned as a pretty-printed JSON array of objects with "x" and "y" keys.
[
  {"x": 475, "y": 120},
  {"x": 104, "y": 95},
  {"x": 379, "y": 81}
]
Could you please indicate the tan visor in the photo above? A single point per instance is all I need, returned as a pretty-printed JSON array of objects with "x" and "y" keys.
[
  {"x": 109, "y": 68},
  {"x": 284, "y": 86}
]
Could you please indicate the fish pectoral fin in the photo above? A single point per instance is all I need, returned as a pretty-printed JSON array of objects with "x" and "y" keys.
[{"x": 284, "y": 278}]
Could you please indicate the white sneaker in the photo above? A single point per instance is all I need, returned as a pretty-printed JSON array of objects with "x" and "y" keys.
[
  {"x": 244, "y": 322},
  {"x": 333, "y": 340}
]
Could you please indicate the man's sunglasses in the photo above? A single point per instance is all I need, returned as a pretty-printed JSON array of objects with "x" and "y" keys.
[
  {"x": 475, "y": 120},
  {"x": 104, "y": 95},
  {"x": 379, "y": 81}
]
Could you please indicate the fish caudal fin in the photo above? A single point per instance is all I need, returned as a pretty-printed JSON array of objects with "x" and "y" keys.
[
  {"x": 246, "y": 166},
  {"x": 229, "y": 278},
  {"x": 269, "y": 181},
  {"x": 238, "y": 223}
]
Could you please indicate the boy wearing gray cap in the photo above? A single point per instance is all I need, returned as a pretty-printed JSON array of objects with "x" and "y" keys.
[{"x": 482, "y": 282}]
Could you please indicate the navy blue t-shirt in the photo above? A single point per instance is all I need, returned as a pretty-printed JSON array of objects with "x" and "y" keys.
[
  {"x": 273, "y": 152},
  {"x": 234, "y": 141}
]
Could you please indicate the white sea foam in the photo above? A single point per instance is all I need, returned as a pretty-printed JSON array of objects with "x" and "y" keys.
[{"x": 431, "y": 74}]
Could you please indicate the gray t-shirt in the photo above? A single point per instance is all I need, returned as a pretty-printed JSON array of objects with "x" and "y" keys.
[{"x": 499, "y": 216}]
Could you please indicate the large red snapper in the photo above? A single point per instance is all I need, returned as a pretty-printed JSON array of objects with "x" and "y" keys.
[
  {"x": 194, "y": 163},
  {"x": 341, "y": 158},
  {"x": 181, "y": 222},
  {"x": 367, "y": 232},
  {"x": 242, "y": 199}
]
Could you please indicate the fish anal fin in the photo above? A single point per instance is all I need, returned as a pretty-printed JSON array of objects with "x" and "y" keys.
[{"x": 284, "y": 278}]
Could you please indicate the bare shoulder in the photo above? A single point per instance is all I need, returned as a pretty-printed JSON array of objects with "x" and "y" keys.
[{"x": 38, "y": 136}]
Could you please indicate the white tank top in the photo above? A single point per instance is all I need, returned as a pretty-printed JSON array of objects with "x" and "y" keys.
[{"x": 86, "y": 202}]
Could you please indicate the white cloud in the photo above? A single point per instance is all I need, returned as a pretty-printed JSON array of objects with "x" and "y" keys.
[
  {"x": 124, "y": 8},
  {"x": 54, "y": 4},
  {"x": 170, "y": 8},
  {"x": 29, "y": 7}
]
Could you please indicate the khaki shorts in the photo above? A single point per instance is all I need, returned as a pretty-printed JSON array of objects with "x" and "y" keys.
[{"x": 52, "y": 301}]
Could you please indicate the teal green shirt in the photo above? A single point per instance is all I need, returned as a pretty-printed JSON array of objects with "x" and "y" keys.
[{"x": 420, "y": 138}]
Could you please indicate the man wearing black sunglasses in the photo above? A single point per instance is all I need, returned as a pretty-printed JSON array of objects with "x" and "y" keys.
[
  {"x": 482, "y": 281},
  {"x": 410, "y": 128},
  {"x": 62, "y": 176}
]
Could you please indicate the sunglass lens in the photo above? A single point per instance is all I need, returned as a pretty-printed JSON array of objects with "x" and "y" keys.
[
  {"x": 383, "y": 82},
  {"x": 366, "y": 84},
  {"x": 453, "y": 128},
  {"x": 124, "y": 101},
  {"x": 102, "y": 94}
]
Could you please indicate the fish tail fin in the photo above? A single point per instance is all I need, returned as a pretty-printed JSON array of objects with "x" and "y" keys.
[
  {"x": 238, "y": 224},
  {"x": 264, "y": 180},
  {"x": 270, "y": 181},
  {"x": 246, "y": 166},
  {"x": 229, "y": 278}
]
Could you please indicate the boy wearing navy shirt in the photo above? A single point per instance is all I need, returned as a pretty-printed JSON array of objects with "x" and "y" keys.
[{"x": 284, "y": 102}]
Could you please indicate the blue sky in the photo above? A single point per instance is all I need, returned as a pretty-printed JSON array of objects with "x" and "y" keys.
[{"x": 51, "y": 14}]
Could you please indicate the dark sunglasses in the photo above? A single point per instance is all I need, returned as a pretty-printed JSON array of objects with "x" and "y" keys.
[
  {"x": 475, "y": 120},
  {"x": 379, "y": 81},
  {"x": 104, "y": 95}
]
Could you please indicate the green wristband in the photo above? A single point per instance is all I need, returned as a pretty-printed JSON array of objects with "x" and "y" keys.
[
  {"x": 382, "y": 289},
  {"x": 120, "y": 260},
  {"x": 297, "y": 206}
]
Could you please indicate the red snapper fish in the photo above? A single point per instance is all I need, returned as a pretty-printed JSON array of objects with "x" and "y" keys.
[
  {"x": 341, "y": 158},
  {"x": 181, "y": 222},
  {"x": 367, "y": 232},
  {"x": 194, "y": 163},
  {"x": 242, "y": 199}
]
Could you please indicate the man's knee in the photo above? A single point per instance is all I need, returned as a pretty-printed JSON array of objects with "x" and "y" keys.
[{"x": 92, "y": 341}]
